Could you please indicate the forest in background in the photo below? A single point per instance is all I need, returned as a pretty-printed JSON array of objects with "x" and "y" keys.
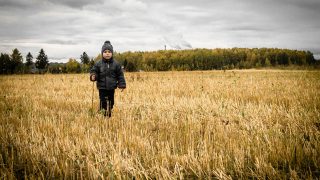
[
  {"x": 167, "y": 60},
  {"x": 214, "y": 59}
]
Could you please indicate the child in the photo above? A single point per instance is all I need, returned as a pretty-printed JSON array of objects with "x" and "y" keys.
[{"x": 109, "y": 75}]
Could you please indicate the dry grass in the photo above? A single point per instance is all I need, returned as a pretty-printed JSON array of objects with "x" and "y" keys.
[{"x": 168, "y": 125}]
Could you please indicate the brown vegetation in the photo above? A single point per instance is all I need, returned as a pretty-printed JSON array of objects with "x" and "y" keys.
[{"x": 169, "y": 125}]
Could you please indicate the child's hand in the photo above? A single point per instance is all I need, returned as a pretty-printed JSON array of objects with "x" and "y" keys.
[
  {"x": 121, "y": 88},
  {"x": 93, "y": 77}
]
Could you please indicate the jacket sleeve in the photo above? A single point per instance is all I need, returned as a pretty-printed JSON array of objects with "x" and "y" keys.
[
  {"x": 120, "y": 77},
  {"x": 94, "y": 71}
]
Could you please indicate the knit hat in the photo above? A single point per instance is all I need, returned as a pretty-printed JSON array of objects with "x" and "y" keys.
[{"x": 107, "y": 46}]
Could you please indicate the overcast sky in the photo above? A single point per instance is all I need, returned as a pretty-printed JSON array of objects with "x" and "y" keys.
[{"x": 67, "y": 28}]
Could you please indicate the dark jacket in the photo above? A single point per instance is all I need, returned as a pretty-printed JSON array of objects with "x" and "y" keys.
[{"x": 109, "y": 74}]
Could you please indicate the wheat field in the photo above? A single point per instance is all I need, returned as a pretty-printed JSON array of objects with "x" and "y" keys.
[{"x": 260, "y": 124}]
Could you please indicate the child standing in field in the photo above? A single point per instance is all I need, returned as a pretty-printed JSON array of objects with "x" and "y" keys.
[{"x": 109, "y": 75}]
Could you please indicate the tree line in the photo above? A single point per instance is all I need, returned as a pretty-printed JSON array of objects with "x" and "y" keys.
[
  {"x": 165, "y": 60},
  {"x": 13, "y": 64},
  {"x": 210, "y": 59}
]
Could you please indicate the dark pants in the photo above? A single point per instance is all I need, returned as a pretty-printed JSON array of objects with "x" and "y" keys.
[{"x": 106, "y": 100}]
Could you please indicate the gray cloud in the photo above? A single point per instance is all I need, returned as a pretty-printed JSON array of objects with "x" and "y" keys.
[
  {"x": 66, "y": 28},
  {"x": 61, "y": 42},
  {"x": 308, "y": 5},
  {"x": 76, "y": 4},
  {"x": 15, "y": 3},
  {"x": 32, "y": 3}
]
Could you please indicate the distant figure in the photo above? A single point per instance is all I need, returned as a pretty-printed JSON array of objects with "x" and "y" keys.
[{"x": 109, "y": 75}]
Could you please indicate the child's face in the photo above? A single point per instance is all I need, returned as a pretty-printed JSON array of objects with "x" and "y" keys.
[{"x": 107, "y": 54}]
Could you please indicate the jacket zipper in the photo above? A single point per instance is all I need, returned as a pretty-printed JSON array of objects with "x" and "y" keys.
[
  {"x": 107, "y": 74},
  {"x": 105, "y": 77}
]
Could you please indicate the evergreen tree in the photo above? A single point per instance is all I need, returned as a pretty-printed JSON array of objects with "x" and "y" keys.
[
  {"x": 310, "y": 58},
  {"x": 16, "y": 61},
  {"x": 84, "y": 58},
  {"x": 42, "y": 61},
  {"x": 29, "y": 58},
  {"x": 91, "y": 63},
  {"x": 5, "y": 64}
]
